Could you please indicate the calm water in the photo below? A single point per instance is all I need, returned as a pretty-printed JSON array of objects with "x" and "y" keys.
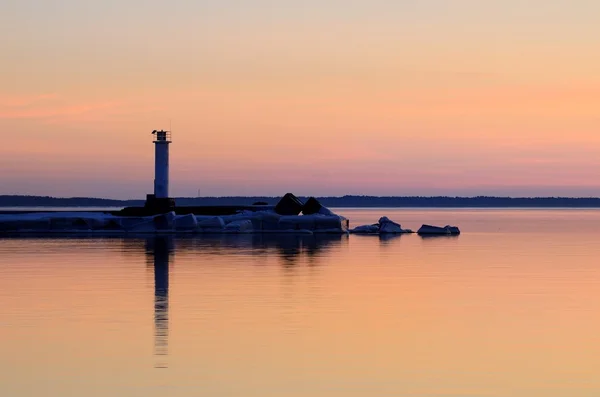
[{"x": 509, "y": 308}]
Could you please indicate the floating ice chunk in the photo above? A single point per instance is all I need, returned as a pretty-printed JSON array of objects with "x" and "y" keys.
[
  {"x": 265, "y": 220},
  {"x": 239, "y": 226},
  {"x": 384, "y": 226},
  {"x": 387, "y": 226},
  {"x": 130, "y": 223},
  {"x": 145, "y": 225},
  {"x": 111, "y": 224},
  {"x": 214, "y": 223},
  {"x": 291, "y": 222},
  {"x": 242, "y": 215},
  {"x": 164, "y": 221},
  {"x": 51, "y": 222},
  {"x": 331, "y": 223},
  {"x": 366, "y": 229},
  {"x": 148, "y": 224},
  {"x": 16, "y": 225},
  {"x": 448, "y": 230},
  {"x": 452, "y": 229},
  {"x": 186, "y": 222},
  {"x": 60, "y": 223}
]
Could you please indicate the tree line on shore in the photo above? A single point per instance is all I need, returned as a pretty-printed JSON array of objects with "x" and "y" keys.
[{"x": 339, "y": 202}]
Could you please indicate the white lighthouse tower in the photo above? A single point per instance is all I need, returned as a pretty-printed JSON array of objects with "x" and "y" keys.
[
  {"x": 161, "y": 163},
  {"x": 159, "y": 202}
]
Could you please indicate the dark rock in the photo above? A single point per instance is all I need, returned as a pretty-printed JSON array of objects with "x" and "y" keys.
[
  {"x": 312, "y": 206},
  {"x": 289, "y": 205}
]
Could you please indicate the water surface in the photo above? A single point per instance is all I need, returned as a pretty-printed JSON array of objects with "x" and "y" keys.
[{"x": 508, "y": 308}]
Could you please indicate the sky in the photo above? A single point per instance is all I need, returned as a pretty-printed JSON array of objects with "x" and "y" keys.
[{"x": 378, "y": 97}]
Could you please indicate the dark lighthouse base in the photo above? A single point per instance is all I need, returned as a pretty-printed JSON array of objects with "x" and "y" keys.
[
  {"x": 288, "y": 205},
  {"x": 155, "y": 206}
]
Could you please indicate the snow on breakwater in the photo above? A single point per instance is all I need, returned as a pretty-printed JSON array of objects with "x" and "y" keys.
[{"x": 242, "y": 222}]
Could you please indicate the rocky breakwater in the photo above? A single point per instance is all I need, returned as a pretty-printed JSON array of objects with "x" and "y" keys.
[{"x": 290, "y": 215}]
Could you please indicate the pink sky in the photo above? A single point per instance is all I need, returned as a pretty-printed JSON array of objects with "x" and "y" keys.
[{"x": 343, "y": 98}]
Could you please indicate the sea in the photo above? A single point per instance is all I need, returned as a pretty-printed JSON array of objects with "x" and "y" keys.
[{"x": 509, "y": 308}]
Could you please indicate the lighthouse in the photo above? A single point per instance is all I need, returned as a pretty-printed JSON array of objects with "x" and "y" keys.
[
  {"x": 160, "y": 201},
  {"x": 161, "y": 163}
]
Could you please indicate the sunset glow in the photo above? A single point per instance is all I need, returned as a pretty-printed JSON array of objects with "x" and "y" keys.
[{"x": 348, "y": 97}]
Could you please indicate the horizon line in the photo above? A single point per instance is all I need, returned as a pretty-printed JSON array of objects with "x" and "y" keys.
[{"x": 315, "y": 196}]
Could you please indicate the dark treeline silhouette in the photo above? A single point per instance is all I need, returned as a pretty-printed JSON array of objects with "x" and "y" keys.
[
  {"x": 46, "y": 201},
  {"x": 339, "y": 202}
]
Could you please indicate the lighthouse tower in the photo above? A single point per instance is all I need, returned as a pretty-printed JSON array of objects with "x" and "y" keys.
[
  {"x": 160, "y": 201},
  {"x": 161, "y": 163}
]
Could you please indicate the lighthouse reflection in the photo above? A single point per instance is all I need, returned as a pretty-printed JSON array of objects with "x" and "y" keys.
[{"x": 159, "y": 250}]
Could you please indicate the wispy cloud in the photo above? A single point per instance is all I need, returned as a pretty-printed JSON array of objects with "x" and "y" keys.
[
  {"x": 24, "y": 101},
  {"x": 52, "y": 108}
]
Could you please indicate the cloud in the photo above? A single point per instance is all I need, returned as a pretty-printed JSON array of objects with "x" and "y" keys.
[
  {"x": 25, "y": 101},
  {"x": 53, "y": 109},
  {"x": 46, "y": 106}
]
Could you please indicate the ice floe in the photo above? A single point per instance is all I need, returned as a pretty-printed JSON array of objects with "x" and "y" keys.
[
  {"x": 436, "y": 230},
  {"x": 384, "y": 226}
]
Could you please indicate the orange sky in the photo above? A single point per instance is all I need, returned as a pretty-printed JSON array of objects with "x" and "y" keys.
[{"x": 349, "y": 97}]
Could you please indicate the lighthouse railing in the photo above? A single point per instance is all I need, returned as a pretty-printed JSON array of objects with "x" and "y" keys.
[{"x": 162, "y": 136}]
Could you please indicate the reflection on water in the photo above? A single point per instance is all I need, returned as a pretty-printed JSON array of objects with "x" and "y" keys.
[
  {"x": 383, "y": 238},
  {"x": 159, "y": 251},
  {"x": 439, "y": 237},
  {"x": 289, "y": 247},
  {"x": 508, "y": 308}
]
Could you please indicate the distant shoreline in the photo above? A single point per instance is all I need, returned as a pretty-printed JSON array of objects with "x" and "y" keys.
[{"x": 334, "y": 202}]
